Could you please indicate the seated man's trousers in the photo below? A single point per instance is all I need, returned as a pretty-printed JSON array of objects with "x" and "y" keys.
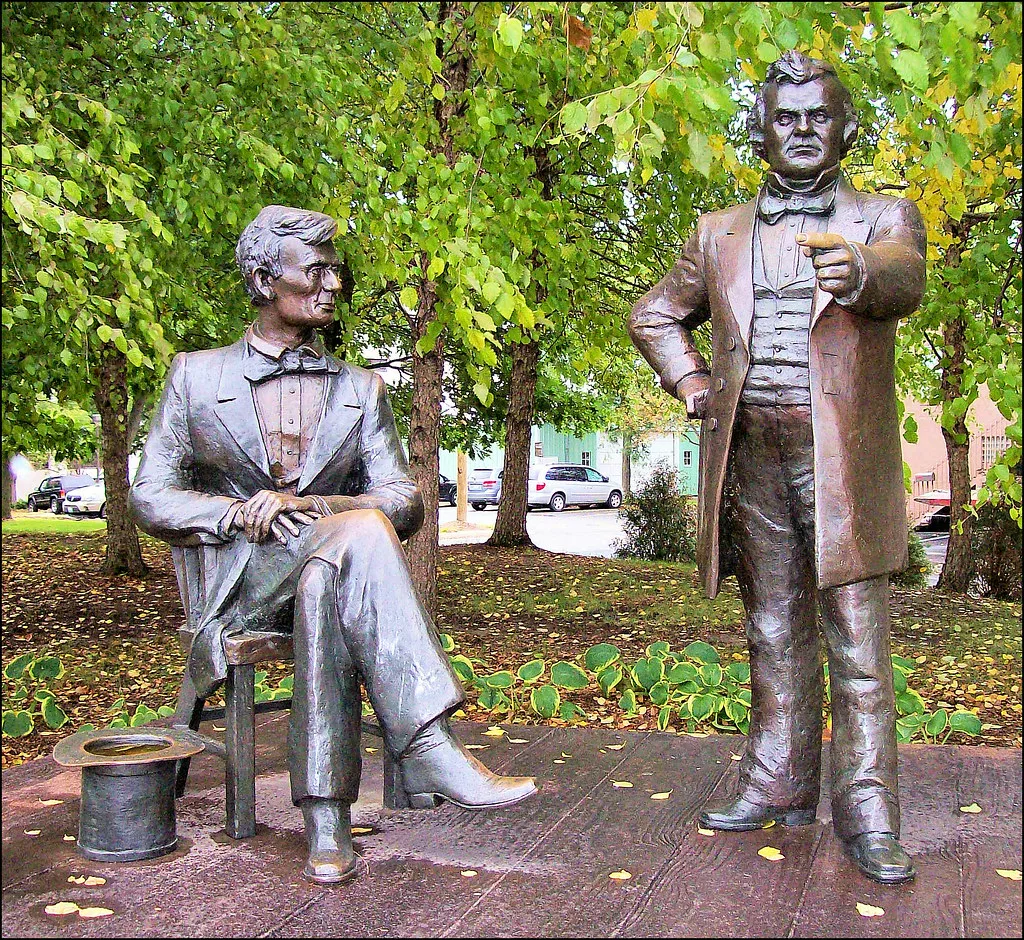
[
  {"x": 344, "y": 585},
  {"x": 769, "y": 525}
]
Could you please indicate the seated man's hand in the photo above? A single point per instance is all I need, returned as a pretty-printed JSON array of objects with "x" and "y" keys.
[
  {"x": 271, "y": 514},
  {"x": 837, "y": 265},
  {"x": 693, "y": 390}
]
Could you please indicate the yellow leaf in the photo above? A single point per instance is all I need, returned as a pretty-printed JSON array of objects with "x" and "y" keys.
[
  {"x": 94, "y": 912},
  {"x": 735, "y": 757},
  {"x": 372, "y": 750},
  {"x": 563, "y": 754},
  {"x": 621, "y": 875},
  {"x": 50, "y": 802},
  {"x": 558, "y": 761},
  {"x": 469, "y": 873},
  {"x": 771, "y": 853},
  {"x": 80, "y": 880},
  {"x": 70, "y": 838},
  {"x": 93, "y": 880},
  {"x": 218, "y": 728},
  {"x": 705, "y": 832},
  {"x": 621, "y": 784},
  {"x": 361, "y": 830},
  {"x": 61, "y": 908},
  {"x": 32, "y": 832},
  {"x": 476, "y": 747},
  {"x": 769, "y": 824},
  {"x": 661, "y": 796},
  {"x": 1012, "y": 873},
  {"x": 518, "y": 741},
  {"x": 494, "y": 732},
  {"x": 869, "y": 910},
  {"x": 973, "y": 808},
  {"x": 615, "y": 747}
]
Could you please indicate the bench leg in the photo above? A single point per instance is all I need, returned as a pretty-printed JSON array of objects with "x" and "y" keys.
[
  {"x": 188, "y": 714},
  {"x": 240, "y": 744}
]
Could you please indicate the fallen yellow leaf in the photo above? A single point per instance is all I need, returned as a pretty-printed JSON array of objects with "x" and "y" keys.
[
  {"x": 621, "y": 875},
  {"x": 705, "y": 832},
  {"x": 615, "y": 747},
  {"x": 1012, "y": 873},
  {"x": 476, "y": 747},
  {"x": 661, "y": 796},
  {"x": 218, "y": 728},
  {"x": 771, "y": 853},
  {"x": 518, "y": 741},
  {"x": 869, "y": 910},
  {"x": 93, "y": 881},
  {"x": 566, "y": 755},
  {"x": 361, "y": 830},
  {"x": 61, "y": 908},
  {"x": 769, "y": 824},
  {"x": 50, "y": 802},
  {"x": 558, "y": 760},
  {"x": 973, "y": 808},
  {"x": 94, "y": 912},
  {"x": 735, "y": 757},
  {"x": 469, "y": 873},
  {"x": 621, "y": 784},
  {"x": 69, "y": 838},
  {"x": 372, "y": 750},
  {"x": 72, "y": 880},
  {"x": 32, "y": 832},
  {"x": 494, "y": 732}
]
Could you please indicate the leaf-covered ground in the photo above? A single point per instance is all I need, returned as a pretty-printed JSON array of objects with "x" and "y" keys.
[{"x": 118, "y": 637}]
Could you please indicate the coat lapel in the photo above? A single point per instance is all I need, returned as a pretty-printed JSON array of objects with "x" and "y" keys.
[
  {"x": 237, "y": 411},
  {"x": 736, "y": 262},
  {"x": 341, "y": 414},
  {"x": 847, "y": 220}
]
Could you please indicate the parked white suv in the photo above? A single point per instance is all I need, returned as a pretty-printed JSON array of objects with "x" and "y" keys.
[{"x": 571, "y": 485}]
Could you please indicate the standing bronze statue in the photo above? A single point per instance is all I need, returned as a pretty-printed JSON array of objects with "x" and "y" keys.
[
  {"x": 284, "y": 466},
  {"x": 801, "y": 475}
]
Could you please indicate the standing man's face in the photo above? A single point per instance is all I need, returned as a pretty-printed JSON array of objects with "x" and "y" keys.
[
  {"x": 804, "y": 124},
  {"x": 305, "y": 291}
]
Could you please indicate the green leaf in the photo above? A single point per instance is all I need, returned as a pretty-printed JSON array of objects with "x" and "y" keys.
[
  {"x": 17, "y": 724},
  {"x": 500, "y": 680},
  {"x": 447, "y": 643},
  {"x": 16, "y": 667},
  {"x": 658, "y": 649},
  {"x": 710, "y": 675},
  {"x": 937, "y": 723},
  {"x": 545, "y": 701},
  {"x": 574, "y": 116},
  {"x": 569, "y": 711},
  {"x": 46, "y": 669},
  {"x": 703, "y": 652},
  {"x": 965, "y": 723},
  {"x": 569, "y": 676},
  {"x": 53, "y": 714},
  {"x": 648, "y": 672},
  {"x": 628, "y": 701},
  {"x": 510, "y": 30},
  {"x": 531, "y": 671},
  {"x": 600, "y": 656},
  {"x": 912, "y": 67},
  {"x": 463, "y": 668},
  {"x": 659, "y": 693},
  {"x": 664, "y": 717},
  {"x": 910, "y": 703},
  {"x": 702, "y": 706},
  {"x": 738, "y": 671},
  {"x": 609, "y": 678},
  {"x": 409, "y": 298},
  {"x": 682, "y": 672},
  {"x": 438, "y": 92},
  {"x": 905, "y": 29}
]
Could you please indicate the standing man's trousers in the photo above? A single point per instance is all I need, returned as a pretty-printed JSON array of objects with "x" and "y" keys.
[
  {"x": 344, "y": 584},
  {"x": 769, "y": 525}
]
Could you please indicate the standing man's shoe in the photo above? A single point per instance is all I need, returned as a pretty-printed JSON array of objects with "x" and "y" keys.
[
  {"x": 881, "y": 857},
  {"x": 744, "y": 814},
  {"x": 436, "y": 767},
  {"x": 332, "y": 859}
]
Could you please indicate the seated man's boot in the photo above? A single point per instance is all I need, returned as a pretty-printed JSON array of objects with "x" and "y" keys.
[
  {"x": 435, "y": 767},
  {"x": 745, "y": 813},
  {"x": 881, "y": 857},
  {"x": 329, "y": 832}
]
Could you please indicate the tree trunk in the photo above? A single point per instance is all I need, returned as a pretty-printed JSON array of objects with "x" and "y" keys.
[
  {"x": 424, "y": 443},
  {"x": 627, "y": 464},
  {"x": 123, "y": 553},
  {"x": 8, "y": 487},
  {"x": 510, "y": 525},
  {"x": 958, "y": 571}
]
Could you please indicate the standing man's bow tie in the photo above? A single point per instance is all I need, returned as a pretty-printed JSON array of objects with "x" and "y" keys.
[
  {"x": 291, "y": 362},
  {"x": 772, "y": 206}
]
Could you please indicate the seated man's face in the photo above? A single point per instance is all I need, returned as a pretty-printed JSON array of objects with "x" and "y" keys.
[
  {"x": 308, "y": 283},
  {"x": 804, "y": 124}
]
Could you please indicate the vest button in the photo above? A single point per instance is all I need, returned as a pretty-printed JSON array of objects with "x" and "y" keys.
[
  {"x": 730, "y": 343},
  {"x": 712, "y": 424},
  {"x": 720, "y": 384}
]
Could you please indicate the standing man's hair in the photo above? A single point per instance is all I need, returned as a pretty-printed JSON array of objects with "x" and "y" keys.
[
  {"x": 795, "y": 68},
  {"x": 260, "y": 244}
]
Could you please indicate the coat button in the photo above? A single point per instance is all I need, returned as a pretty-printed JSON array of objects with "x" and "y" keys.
[
  {"x": 719, "y": 384},
  {"x": 730, "y": 343},
  {"x": 712, "y": 424}
]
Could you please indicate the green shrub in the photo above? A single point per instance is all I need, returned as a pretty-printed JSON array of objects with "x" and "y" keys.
[
  {"x": 996, "y": 546},
  {"x": 658, "y": 523},
  {"x": 915, "y": 575}
]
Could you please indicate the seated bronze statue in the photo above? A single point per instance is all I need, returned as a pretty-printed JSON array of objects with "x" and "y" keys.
[{"x": 283, "y": 465}]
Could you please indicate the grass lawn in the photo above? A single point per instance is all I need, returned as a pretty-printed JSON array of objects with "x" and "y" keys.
[
  {"x": 117, "y": 638},
  {"x": 47, "y": 522}
]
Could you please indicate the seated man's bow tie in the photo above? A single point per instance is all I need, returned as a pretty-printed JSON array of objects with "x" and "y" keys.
[
  {"x": 772, "y": 206},
  {"x": 291, "y": 362}
]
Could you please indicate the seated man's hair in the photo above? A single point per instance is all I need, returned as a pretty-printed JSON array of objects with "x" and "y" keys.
[
  {"x": 795, "y": 68},
  {"x": 260, "y": 244}
]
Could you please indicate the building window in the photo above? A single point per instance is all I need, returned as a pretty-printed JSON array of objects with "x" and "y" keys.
[
  {"x": 687, "y": 458},
  {"x": 585, "y": 458},
  {"x": 992, "y": 446},
  {"x": 538, "y": 449}
]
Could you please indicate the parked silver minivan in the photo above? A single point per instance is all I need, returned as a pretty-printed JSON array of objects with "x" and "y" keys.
[{"x": 564, "y": 485}]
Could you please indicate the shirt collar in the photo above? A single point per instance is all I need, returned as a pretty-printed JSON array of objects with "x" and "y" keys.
[{"x": 258, "y": 343}]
